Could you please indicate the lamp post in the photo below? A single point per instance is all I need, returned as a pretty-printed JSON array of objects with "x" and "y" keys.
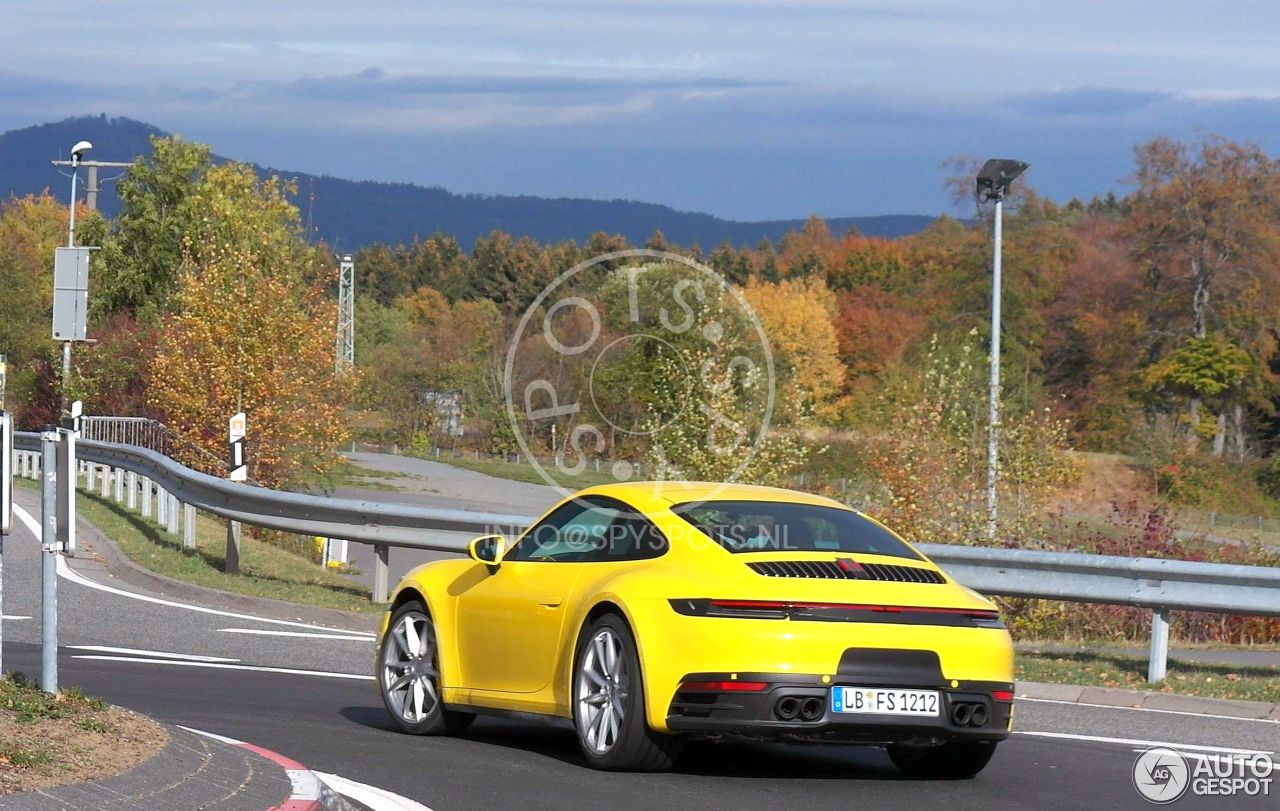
[
  {"x": 77, "y": 155},
  {"x": 994, "y": 179}
]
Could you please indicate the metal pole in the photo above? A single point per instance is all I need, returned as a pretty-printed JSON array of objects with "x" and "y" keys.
[
  {"x": 66, "y": 378},
  {"x": 381, "y": 565},
  {"x": 91, "y": 188},
  {"x": 6, "y": 494},
  {"x": 1158, "y": 661},
  {"x": 993, "y": 427},
  {"x": 232, "y": 563},
  {"x": 71, "y": 223},
  {"x": 48, "y": 562}
]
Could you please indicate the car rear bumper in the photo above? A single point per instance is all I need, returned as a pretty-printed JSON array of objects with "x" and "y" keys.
[{"x": 968, "y": 710}]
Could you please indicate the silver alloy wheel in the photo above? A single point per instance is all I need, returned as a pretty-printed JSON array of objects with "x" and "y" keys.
[
  {"x": 603, "y": 683},
  {"x": 409, "y": 668}
]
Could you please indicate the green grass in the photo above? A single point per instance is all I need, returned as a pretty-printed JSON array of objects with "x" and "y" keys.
[
  {"x": 1251, "y": 683},
  {"x": 23, "y": 698},
  {"x": 351, "y": 475},
  {"x": 265, "y": 570},
  {"x": 523, "y": 471}
]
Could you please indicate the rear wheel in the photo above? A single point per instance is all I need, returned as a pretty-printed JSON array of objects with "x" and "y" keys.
[
  {"x": 608, "y": 703},
  {"x": 409, "y": 670},
  {"x": 958, "y": 760}
]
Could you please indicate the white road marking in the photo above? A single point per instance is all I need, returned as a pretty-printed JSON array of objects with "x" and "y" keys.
[
  {"x": 1203, "y": 757},
  {"x": 227, "y": 666},
  {"x": 298, "y": 634},
  {"x": 1145, "y": 744},
  {"x": 66, "y": 572},
  {"x": 376, "y": 798},
  {"x": 152, "y": 653},
  {"x": 1148, "y": 709},
  {"x": 222, "y": 738},
  {"x": 13, "y": 617}
]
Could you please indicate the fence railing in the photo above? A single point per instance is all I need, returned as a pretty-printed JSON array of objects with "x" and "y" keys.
[{"x": 1159, "y": 585}]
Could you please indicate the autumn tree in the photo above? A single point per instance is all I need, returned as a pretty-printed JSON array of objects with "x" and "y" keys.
[
  {"x": 1205, "y": 227},
  {"x": 251, "y": 330}
]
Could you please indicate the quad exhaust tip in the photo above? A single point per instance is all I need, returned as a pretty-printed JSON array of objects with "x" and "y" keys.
[
  {"x": 808, "y": 708},
  {"x": 969, "y": 714}
]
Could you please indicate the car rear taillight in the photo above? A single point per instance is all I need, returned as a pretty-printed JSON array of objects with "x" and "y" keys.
[
  {"x": 724, "y": 686},
  {"x": 1002, "y": 695},
  {"x": 836, "y": 612}
]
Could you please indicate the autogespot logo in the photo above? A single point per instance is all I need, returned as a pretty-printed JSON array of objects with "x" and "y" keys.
[
  {"x": 1162, "y": 774},
  {"x": 639, "y": 365}
]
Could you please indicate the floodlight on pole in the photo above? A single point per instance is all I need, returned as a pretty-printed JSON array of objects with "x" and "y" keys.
[
  {"x": 77, "y": 154},
  {"x": 993, "y": 181}
]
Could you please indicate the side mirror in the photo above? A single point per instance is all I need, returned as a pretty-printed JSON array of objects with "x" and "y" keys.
[{"x": 487, "y": 549}]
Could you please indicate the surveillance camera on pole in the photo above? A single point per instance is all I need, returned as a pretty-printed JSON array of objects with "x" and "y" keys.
[{"x": 993, "y": 181}]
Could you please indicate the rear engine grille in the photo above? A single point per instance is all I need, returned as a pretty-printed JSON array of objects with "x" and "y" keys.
[{"x": 833, "y": 570}]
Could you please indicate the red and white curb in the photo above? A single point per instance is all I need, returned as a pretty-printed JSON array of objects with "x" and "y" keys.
[{"x": 308, "y": 791}]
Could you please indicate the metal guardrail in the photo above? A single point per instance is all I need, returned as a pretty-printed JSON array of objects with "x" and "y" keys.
[{"x": 1160, "y": 585}]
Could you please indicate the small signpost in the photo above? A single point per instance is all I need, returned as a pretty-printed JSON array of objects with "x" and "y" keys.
[
  {"x": 237, "y": 428},
  {"x": 6, "y": 495}
]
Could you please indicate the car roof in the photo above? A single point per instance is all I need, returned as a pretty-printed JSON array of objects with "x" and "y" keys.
[{"x": 674, "y": 492}]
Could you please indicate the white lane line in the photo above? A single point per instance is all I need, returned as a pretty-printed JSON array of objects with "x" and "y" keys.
[
  {"x": 298, "y": 634},
  {"x": 1148, "y": 709},
  {"x": 227, "y": 666},
  {"x": 1146, "y": 744},
  {"x": 1208, "y": 757},
  {"x": 376, "y": 798},
  {"x": 151, "y": 653},
  {"x": 66, "y": 572},
  {"x": 222, "y": 738},
  {"x": 13, "y": 617}
]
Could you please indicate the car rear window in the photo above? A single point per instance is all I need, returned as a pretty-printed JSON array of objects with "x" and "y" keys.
[{"x": 775, "y": 526}]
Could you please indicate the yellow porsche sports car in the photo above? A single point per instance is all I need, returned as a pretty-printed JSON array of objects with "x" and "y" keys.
[{"x": 650, "y": 613}]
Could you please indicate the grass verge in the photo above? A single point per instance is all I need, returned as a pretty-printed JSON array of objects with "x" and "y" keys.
[
  {"x": 1090, "y": 668},
  {"x": 265, "y": 570},
  {"x": 523, "y": 471},
  {"x": 49, "y": 740}
]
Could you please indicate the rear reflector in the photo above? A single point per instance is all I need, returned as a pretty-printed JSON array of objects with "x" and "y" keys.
[
  {"x": 1002, "y": 695},
  {"x": 725, "y": 686}
]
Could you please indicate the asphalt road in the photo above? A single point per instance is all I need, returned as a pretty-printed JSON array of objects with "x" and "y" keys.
[{"x": 306, "y": 692}]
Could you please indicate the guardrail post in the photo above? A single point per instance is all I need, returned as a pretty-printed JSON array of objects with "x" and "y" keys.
[
  {"x": 104, "y": 479},
  {"x": 48, "y": 561},
  {"x": 232, "y": 564},
  {"x": 162, "y": 507},
  {"x": 1158, "y": 662},
  {"x": 131, "y": 490},
  {"x": 188, "y": 527},
  {"x": 146, "y": 497},
  {"x": 172, "y": 525},
  {"x": 381, "y": 565},
  {"x": 118, "y": 491}
]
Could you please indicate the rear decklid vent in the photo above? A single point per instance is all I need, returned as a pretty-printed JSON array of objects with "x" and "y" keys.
[{"x": 846, "y": 569}]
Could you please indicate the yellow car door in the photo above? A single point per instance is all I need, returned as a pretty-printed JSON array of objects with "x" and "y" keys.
[{"x": 511, "y": 623}]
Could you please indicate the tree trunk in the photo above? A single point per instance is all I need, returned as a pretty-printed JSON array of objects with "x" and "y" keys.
[
  {"x": 1200, "y": 298},
  {"x": 1239, "y": 431},
  {"x": 1193, "y": 432},
  {"x": 1220, "y": 435}
]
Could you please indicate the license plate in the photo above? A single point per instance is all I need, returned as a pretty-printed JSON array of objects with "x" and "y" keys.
[{"x": 884, "y": 701}]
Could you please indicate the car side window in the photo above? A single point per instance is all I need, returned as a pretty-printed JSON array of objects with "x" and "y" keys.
[
  {"x": 574, "y": 533},
  {"x": 631, "y": 537}
]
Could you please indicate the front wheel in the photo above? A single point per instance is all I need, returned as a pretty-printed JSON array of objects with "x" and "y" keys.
[
  {"x": 958, "y": 760},
  {"x": 608, "y": 703},
  {"x": 409, "y": 671}
]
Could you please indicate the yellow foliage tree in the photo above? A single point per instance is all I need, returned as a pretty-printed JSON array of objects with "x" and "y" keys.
[
  {"x": 797, "y": 315},
  {"x": 251, "y": 333}
]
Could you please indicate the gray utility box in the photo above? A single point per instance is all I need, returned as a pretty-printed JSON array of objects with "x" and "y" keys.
[{"x": 70, "y": 293}]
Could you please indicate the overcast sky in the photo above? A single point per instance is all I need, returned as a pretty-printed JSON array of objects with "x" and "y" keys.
[{"x": 748, "y": 109}]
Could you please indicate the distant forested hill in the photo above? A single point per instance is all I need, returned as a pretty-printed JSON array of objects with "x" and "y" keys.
[{"x": 350, "y": 214}]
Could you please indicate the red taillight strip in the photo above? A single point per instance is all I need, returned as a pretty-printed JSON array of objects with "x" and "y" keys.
[
  {"x": 724, "y": 686},
  {"x": 1002, "y": 695},
  {"x": 774, "y": 605}
]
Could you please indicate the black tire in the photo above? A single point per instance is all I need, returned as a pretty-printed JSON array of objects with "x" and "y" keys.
[
  {"x": 396, "y": 661},
  {"x": 633, "y": 747},
  {"x": 958, "y": 760}
]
